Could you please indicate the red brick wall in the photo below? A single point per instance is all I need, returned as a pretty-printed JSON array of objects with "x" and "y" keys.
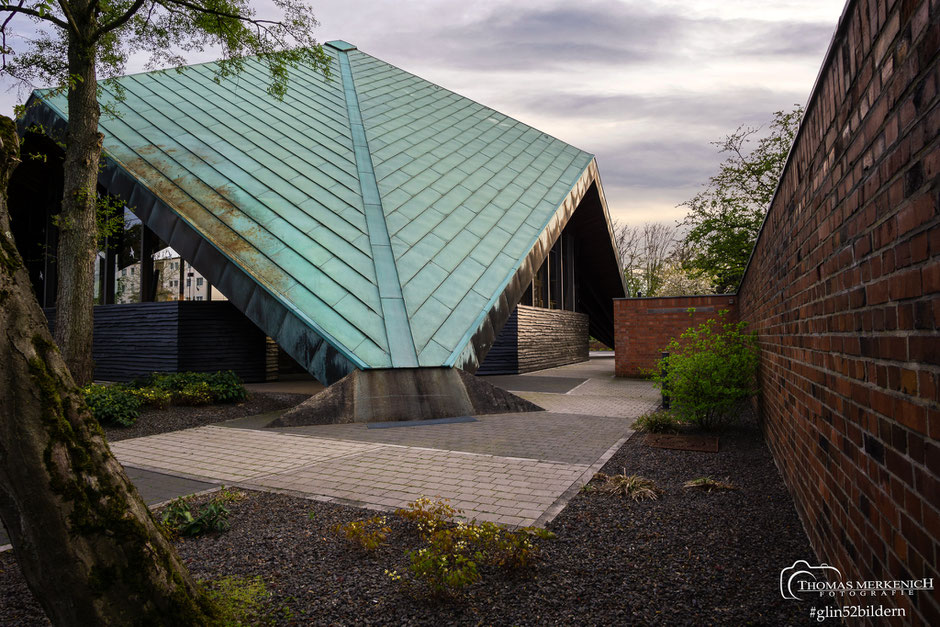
[
  {"x": 844, "y": 292},
  {"x": 643, "y": 327}
]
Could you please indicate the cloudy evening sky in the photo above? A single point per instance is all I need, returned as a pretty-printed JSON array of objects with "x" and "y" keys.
[{"x": 644, "y": 85}]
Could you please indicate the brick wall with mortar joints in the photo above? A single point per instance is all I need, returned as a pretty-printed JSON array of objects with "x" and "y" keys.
[
  {"x": 643, "y": 327},
  {"x": 844, "y": 291}
]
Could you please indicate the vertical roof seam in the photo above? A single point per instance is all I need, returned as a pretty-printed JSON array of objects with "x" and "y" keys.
[{"x": 401, "y": 346}]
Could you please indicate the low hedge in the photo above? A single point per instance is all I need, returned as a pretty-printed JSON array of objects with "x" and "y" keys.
[{"x": 120, "y": 404}]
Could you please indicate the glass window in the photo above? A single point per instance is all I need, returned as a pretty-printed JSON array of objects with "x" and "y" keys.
[{"x": 199, "y": 282}]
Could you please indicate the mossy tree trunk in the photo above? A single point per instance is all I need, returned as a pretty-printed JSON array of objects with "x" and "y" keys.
[
  {"x": 87, "y": 545},
  {"x": 77, "y": 229}
]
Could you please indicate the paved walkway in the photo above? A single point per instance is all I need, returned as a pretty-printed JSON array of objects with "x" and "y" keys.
[{"x": 516, "y": 469}]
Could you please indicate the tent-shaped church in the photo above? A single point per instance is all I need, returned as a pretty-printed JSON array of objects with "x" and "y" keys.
[{"x": 369, "y": 220}]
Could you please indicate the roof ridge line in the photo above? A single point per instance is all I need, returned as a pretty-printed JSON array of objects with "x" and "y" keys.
[{"x": 401, "y": 345}]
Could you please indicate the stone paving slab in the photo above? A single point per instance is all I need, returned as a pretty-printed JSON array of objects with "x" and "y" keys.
[
  {"x": 612, "y": 406},
  {"x": 231, "y": 455},
  {"x": 570, "y": 438},
  {"x": 510, "y": 491},
  {"x": 515, "y": 469},
  {"x": 533, "y": 383}
]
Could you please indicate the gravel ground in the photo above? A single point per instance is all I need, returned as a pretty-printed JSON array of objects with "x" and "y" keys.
[
  {"x": 174, "y": 418},
  {"x": 687, "y": 558}
]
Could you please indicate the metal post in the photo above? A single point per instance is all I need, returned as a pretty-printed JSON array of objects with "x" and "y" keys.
[{"x": 665, "y": 387}]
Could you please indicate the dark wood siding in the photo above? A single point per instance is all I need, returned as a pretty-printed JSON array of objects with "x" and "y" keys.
[
  {"x": 535, "y": 338},
  {"x": 216, "y": 336},
  {"x": 132, "y": 340},
  {"x": 503, "y": 356},
  {"x": 547, "y": 338}
]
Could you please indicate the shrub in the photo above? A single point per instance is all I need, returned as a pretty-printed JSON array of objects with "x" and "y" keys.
[
  {"x": 198, "y": 388},
  {"x": 225, "y": 386},
  {"x": 443, "y": 571},
  {"x": 368, "y": 534},
  {"x": 241, "y": 600},
  {"x": 112, "y": 404},
  {"x": 196, "y": 393},
  {"x": 657, "y": 422},
  {"x": 179, "y": 519},
  {"x": 454, "y": 552},
  {"x": 152, "y": 397},
  {"x": 428, "y": 515},
  {"x": 710, "y": 370}
]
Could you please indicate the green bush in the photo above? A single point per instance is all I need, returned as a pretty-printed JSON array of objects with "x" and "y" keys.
[
  {"x": 112, "y": 404},
  {"x": 196, "y": 393},
  {"x": 368, "y": 534},
  {"x": 152, "y": 397},
  {"x": 455, "y": 551},
  {"x": 710, "y": 369},
  {"x": 198, "y": 388}
]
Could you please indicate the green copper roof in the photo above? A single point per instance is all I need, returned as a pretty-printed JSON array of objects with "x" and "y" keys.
[{"x": 383, "y": 212}]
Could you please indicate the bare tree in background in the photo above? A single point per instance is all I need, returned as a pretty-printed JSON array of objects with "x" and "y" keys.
[
  {"x": 676, "y": 280},
  {"x": 646, "y": 252}
]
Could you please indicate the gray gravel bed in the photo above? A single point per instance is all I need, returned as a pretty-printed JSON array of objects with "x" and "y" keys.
[
  {"x": 176, "y": 417},
  {"x": 687, "y": 558}
]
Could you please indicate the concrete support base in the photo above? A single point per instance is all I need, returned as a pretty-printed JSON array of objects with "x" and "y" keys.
[{"x": 403, "y": 394}]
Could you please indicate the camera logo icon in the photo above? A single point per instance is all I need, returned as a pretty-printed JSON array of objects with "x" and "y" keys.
[{"x": 797, "y": 578}]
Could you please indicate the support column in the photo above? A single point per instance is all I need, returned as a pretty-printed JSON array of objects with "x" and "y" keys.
[{"x": 148, "y": 286}]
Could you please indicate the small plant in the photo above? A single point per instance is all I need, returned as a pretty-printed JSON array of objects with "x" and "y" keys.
[
  {"x": 112, "y": 404},
  {"x": 428, "y": 515},
  {"x": 512, "y": 550},
  {"x": 454, "y": 553},
  {"x": 241, "y": 600},
  {"x": 657, "y": 422},
  {"x": 230, "y": 495},
  {"x": 710, "y": 370},
  {"x": 179, "y": 519},
  {"x": 633, "y": 487},
  {"x": 368, "y": 534},
  {"x": 442, "y": 570},
  {"x": 708, "y": 484}
]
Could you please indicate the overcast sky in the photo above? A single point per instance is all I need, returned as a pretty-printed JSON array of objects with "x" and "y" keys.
[{"x": 644, "y": 85}]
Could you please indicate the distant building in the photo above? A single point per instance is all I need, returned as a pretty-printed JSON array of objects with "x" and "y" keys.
[{"x": 176, "y": 280}]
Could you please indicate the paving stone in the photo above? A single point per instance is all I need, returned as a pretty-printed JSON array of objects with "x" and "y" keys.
[{"x": 508, "y": 468}]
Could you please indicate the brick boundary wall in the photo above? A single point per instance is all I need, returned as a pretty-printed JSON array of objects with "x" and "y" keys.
[
  {"x": 643, "y": 327},
  {"x": 843, "y": 291}
]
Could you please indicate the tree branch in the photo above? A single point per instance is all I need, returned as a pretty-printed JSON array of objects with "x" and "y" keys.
[
  {"x": 35, "y": 13},
  {"x": 119, "y": 22},
  {"x": 233, "y": 16},
  {"x": 3, "y": 33},
  {"x": 68, "y": 15}
]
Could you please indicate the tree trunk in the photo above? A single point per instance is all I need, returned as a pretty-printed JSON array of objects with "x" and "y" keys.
[
  {"x": 77, "y": 229},
  {"x": 88, "y": 547}
]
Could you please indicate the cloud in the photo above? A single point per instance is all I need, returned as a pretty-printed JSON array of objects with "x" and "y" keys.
[
  {"x": 724, "y": 109},
  {"x": 594, "y": 33}
]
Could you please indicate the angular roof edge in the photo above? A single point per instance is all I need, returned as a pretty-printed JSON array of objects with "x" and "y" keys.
[
  {"x": 299, "y": 336},
  {"x": 477, "y": 341}
]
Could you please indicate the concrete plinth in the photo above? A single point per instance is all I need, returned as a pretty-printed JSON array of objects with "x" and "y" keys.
[{"x": 403, "y": 394}]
